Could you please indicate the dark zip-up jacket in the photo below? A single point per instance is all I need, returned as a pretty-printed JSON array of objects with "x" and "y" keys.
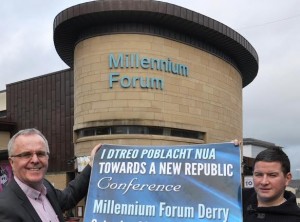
[{"x": 286, "y": 212}]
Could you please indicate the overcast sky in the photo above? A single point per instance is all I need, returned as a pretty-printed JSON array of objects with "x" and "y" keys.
[{"x": 271, "y": 103}]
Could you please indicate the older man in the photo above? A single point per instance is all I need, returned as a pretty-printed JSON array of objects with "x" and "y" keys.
[{"x": 29, "y": 197}]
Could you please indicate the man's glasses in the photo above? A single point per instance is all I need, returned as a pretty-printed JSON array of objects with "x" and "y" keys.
[{"x": 29, "y": 155}]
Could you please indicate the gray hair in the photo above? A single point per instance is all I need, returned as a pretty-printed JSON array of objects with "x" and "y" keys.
[{"x": 31, "y": 131}]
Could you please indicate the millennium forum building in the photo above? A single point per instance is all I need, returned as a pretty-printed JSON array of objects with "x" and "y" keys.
[{"x": 141, "y": 72}]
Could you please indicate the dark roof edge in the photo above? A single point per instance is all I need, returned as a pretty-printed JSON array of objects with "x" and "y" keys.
[
  {"x": 70, "y": 22},
  {"x": 40, "y": 76},
  {"x": 256, "y": 142}
]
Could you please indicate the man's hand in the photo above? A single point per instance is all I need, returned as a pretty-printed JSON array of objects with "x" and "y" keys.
[
  {"x": 94, "y": 151},
  {"x": 237, "y": 142}
]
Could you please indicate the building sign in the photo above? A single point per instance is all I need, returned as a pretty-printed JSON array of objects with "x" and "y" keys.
[
  {"x": 134, "y": 61},
  {"x": 165, "y": 183},
  {"x": 248, "y": 181}
]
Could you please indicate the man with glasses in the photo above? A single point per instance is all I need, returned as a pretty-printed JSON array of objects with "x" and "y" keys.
[{"x": 29, "y": 197}]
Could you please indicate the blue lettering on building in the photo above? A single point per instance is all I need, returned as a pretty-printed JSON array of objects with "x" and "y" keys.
[{"x": 135, "y": 61}]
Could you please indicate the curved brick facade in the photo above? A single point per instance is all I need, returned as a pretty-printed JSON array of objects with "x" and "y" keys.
[
  {"x": 153, "y": 75},
  {"x": 209, "y": 99}
]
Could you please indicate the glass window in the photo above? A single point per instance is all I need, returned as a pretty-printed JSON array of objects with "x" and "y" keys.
[
  {"x": 150, "y": 130},
  {"x": 119, "y": 130}
]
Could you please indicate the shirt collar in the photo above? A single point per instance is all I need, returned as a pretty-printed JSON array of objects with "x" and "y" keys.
[{"x": 29, "y": 191}]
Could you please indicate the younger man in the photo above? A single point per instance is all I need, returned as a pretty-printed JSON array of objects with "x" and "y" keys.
[{"x": 268, "y": 200}]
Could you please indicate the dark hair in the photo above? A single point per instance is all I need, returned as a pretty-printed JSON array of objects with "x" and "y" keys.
[{"x": 274, "y": 155}]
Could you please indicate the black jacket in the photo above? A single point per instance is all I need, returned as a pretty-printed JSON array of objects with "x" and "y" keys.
[
  {"x": 286, "y": 212},
  {"x": 15, "y": 206}
]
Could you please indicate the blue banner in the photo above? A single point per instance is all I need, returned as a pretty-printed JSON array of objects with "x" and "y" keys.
[{"x": 165, "y": 183}]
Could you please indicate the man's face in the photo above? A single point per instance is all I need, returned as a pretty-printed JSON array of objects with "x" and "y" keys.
[
  {"x": 270, "y": 183},
  {"x": 29, "y": 164}
]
